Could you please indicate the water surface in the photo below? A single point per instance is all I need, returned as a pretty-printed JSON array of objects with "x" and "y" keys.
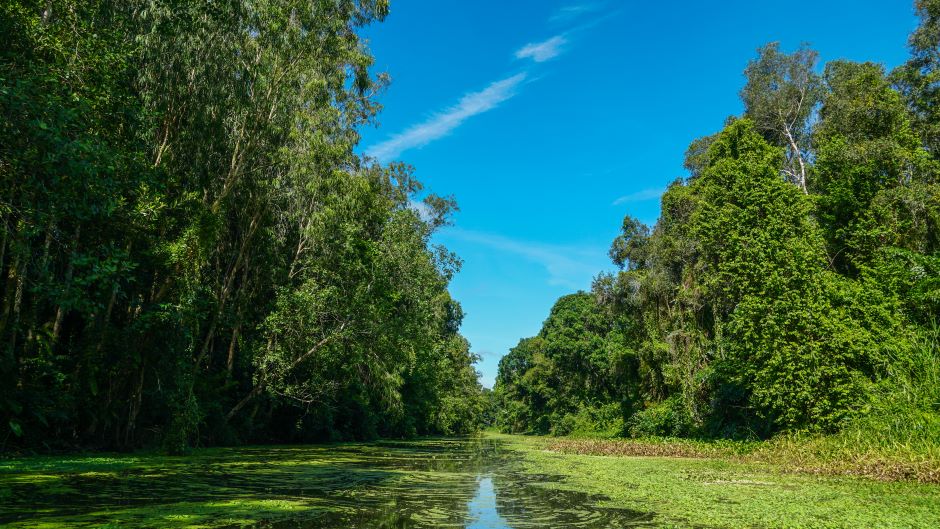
[{"x": 470, "y": 483}]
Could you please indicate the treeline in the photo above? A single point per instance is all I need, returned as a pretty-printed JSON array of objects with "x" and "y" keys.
[
  {"x": 792, "y": 282},
  {"x": 190, "y": 250}
]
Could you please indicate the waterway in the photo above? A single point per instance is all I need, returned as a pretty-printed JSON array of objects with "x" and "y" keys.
[{"x": 472, "y": 483}]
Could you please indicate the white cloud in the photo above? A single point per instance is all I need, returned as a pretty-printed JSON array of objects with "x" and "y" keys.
[
  {"x": 542, "y": 51},
  {"x": 444, "y": 122},
  {"x": 569, "y": 266},
  {"x": 570, "y": 12},
  {"x": 639, "y": 196}
]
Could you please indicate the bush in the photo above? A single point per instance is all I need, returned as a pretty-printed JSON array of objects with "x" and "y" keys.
[
  {"x": 592, "y": 421},
  {"x": 904, "y": 412},
  {"x": 670, "y": 418}
]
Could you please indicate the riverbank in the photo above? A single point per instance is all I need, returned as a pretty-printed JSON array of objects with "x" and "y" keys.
[
  {"x": 820, "y": 455},
  {"x": 726, "y": 485}
]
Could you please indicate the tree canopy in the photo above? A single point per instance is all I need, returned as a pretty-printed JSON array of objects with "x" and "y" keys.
[
  {"x": 790, "y": 283},
  {"x": 190, "y": 250}
]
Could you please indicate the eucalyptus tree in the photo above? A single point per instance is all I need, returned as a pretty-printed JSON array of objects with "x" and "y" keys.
[
  {"x": 77, "y": 195},
  {"x": 780, "y": 95}
]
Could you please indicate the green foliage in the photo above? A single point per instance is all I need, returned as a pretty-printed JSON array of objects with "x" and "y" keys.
[
  {"x": 190, "y": 250},
  {"x": 867, "y": 152},
  {"x": 905, "y": 407},
  {"x": 790, "y": 284},
  {"x": 668, "y": 418},
  {"x": 601, "y": 420},
  {"x": 570, "y": 378},
  {"x": 917, "y": 80}
]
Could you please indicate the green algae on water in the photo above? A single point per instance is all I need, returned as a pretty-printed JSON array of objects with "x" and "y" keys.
[{"x": 490, "y": 482}]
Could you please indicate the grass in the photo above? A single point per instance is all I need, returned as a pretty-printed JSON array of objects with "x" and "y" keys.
[
  {"x": 837, "y": 455},
  {"x": 725, "y": 485}
]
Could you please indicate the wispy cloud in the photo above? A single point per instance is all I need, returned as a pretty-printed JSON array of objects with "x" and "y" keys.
[
  {"x": 553, "y": 47},
  {"x": 568, "y": 266},
  {"x": 444, "y": 122},
  {"x": 570, "y": 12},
  {"x": 639, "y": 196},
  {"x": 542, "y": 51}
]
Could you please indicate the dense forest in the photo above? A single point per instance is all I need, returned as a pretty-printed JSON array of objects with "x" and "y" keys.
[
  {"x": 791, "y": 283},
  {"x": 191, "y": 251}
]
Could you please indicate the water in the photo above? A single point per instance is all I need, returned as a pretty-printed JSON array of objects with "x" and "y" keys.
[{"x": 468, "y": 483}]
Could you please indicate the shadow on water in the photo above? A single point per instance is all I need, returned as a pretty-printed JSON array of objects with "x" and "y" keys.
[{"x": 466, "y": 483}]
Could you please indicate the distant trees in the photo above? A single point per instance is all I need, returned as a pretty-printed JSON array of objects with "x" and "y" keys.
[
  {"x": 190, "y": 250},
  {"x": 791, "y": 282},
  {"x": 572, "y": 376}
]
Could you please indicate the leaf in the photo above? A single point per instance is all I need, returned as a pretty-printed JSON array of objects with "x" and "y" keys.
[{"x": 16, "y": 428}]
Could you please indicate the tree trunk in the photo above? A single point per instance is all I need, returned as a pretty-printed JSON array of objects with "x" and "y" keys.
[
  {"x": 3, "y": 243},
  {"x": 231, "y": 352},
  {"x": 69, "y": 271},
  {"x": 227, "y": 288},
  {"x": 8, "y": 292},
  {"x": 41, "y": 273},
  {"x": 134, "y": 409},
  {"x": 801, "y": 177},
  {"x": 17, "y": 302}
]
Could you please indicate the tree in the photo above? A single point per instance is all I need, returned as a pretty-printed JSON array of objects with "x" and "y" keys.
[
  {"x": 791, "y": 330},
  {"x": 919, "y": 79},
  {"x": 866, "y": 148},
  {"x": 575, "y": 375},
  {"x": 781, "y": 92}
]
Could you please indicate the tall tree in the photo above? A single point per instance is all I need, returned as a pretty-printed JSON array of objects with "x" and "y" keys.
[{"x": 781, "y": 92}]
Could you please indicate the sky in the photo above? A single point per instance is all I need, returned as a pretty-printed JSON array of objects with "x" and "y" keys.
[{"x": 549, "y": 121}]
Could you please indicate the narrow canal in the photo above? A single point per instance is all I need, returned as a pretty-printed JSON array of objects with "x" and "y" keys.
[{"x": 456, "y": 483}]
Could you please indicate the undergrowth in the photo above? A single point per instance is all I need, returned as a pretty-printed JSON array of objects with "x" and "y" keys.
[{"x": 895, "y": 438}]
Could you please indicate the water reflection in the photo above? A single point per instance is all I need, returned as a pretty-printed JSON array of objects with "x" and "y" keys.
[{"x": 483, "y": 511}]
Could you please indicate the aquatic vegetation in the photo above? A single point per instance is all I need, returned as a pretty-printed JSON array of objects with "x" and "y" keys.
[
  {"x": 806, "y": 454},
  {"x": 469, "y": 482},
  {"x": 723, "y": 492},
  {"x": 486, "y": 482}
]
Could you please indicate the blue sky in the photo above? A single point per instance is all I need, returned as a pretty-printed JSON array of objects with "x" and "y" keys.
[{"x": 551, "y": 120}]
